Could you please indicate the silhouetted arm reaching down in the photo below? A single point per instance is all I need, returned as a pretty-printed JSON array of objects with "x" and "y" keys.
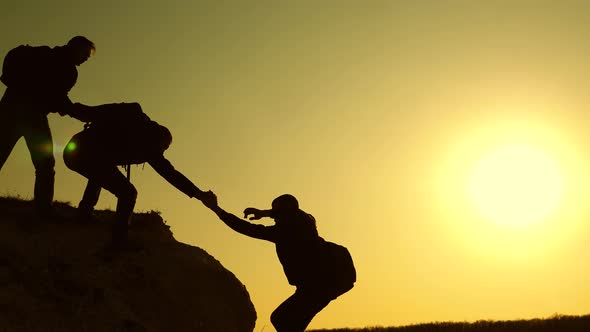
[
  {"x": 175, "y": 178},
  {"x": 82, "y": 112},
  {"x": 105, "y": 112}
]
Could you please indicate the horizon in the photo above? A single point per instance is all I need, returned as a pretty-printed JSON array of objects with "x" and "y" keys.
[
  {"x": 561, "y": 323},
  {"x": 445, "y": 144}
]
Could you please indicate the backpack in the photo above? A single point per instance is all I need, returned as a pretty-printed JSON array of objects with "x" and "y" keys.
[
  {"x": 25, "y": 65},
  {"x": 120, "y": 124},
  {"x": 337, "y": 267},
  {"x": 117, "y": 119}
]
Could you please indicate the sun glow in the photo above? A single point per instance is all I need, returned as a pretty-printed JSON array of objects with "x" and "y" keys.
[
  {"x": 516, "y": 185},
  {"x": 512, "y": 190}
]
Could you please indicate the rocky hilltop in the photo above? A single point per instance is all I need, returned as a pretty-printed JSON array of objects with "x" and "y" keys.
[{"x": 58, "y": 276}]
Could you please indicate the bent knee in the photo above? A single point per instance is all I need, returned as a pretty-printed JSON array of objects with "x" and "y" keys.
[
  {"x": 276, "y": 321},
  {"x": 280, "y": 320}
]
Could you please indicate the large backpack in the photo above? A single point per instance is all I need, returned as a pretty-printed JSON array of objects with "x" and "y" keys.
[
  {"x": 337, "y": 267},
  {"x": 26, "y": 65},
  {"x": 117, "y": 119},
  {"x": 122, "y": 125}
]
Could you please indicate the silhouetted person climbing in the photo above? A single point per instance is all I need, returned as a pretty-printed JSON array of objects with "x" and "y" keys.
[
  {"x": 320, "y": 270},
  {"x": 38, "y": 80},
  {"x": 117, "y": 135}
]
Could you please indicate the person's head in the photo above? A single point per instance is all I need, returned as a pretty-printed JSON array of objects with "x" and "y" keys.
[
  {"x": 284, "y": 206},
  {"x": 285, "y": 210},
  {"x": 161, "y": 136},
  {"x": 80, "y": 49}
]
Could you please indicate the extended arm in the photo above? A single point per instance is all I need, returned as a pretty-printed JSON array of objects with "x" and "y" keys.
[
  {"x": 175, "y": 178},
  {"x": 256, "y": 213},
  {"x": 105, "y": 112},
  {"x": 82, "y": 112},
  {"x": 242, "y": 226}
]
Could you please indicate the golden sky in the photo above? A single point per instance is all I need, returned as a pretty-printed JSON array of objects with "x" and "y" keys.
[{"x": 445, "y": 143}]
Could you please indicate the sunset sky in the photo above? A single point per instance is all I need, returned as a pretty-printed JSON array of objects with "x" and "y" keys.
[{"x": 445, "y": 143}]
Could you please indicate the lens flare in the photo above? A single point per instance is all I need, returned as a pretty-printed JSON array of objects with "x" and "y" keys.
[{"x": 70, "y": 147}]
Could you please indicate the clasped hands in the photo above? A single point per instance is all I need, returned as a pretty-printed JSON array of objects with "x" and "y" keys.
[{"x": 208, "y": 198}]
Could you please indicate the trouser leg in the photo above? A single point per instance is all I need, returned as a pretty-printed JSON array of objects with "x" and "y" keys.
[
  {"x": 90, "y": 198},
  {"x": 295, "y": 314},
  {"x": 40, "y": 144},
  {"x": 110, "y": 178},
  {"x": 124, "y": 212},
  {"x": 8, "y": 138},
  {"x": 10, "y": 132}
]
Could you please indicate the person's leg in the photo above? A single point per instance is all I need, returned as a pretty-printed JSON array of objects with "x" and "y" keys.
[
  {"x": 89, "y": 200},
  {"x": 125, "y": 206},
  {"x": 40, "y": 143},
  {"x": 297, "y": 311},
  {"x": 10, "y": 129},
  {"x": 9, "y": 135},
  {"x": 108, "y": 176},
  {"x": 91, "y": 161}
]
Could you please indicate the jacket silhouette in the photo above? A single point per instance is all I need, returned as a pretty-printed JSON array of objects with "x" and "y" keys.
[
  {"x": 38, "y": 80},
  {"x": 120, "y": 134},
  {"x": 303, "y": 255}
]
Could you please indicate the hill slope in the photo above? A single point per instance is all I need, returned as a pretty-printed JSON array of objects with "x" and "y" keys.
[{"x": 57, "y": 277}]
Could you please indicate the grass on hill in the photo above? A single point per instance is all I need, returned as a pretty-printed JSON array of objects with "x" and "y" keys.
[{"x": 557, "y": 323}]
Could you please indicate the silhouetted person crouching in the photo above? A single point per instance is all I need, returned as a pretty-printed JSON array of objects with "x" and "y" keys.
[
  {"x": 320, "y": 270},
  {"x": 117, "y": 135},
  {"x": 38, "y": 80}
]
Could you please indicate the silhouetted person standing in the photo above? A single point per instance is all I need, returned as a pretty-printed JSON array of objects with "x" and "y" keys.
[
  {"x": 119, "y": 135},
  {"x": 320, "y": 270},
  {"x": 38, "y": 80}
]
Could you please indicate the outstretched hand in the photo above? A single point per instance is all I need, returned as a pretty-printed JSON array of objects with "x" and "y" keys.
[{"x": 256, "y": 214}]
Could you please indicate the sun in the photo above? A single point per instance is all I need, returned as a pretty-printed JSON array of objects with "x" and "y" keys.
[{"x": 516, "y": 185}]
